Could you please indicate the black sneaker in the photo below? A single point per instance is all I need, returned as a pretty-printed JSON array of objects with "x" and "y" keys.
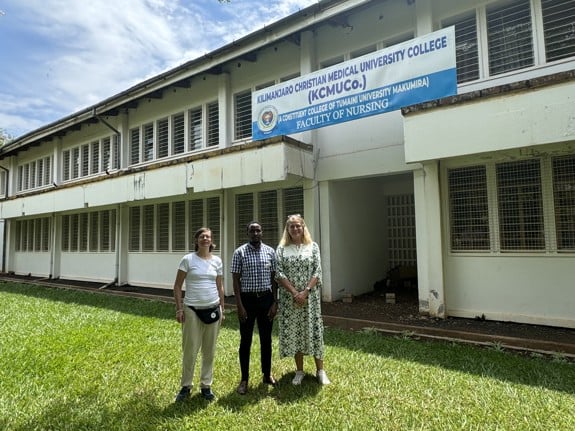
[
  {"x": 207, "y": 394},
  {"x": 183, "y": 394}
]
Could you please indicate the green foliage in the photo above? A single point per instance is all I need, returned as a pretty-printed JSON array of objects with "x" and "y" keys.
[
  {"x": 4, "y": 137},
  {"x": 77, "y": 360}
]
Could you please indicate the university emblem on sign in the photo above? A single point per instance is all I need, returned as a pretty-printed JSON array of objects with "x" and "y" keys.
[{"x": 267, "y": 119}]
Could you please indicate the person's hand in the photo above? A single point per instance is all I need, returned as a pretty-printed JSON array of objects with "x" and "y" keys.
[
  {"x": 273, "y": 311},
  {"x": 180, "y": 317},
  {"x": 301, "y": 297},
  {"x": 242, "y": 313}
]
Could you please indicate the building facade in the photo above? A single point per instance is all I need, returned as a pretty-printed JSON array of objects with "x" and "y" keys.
[{"x": 477, "y": 190}]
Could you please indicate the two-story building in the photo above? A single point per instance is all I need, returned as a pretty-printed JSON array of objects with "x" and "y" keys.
[{"x": 476, "y": 189}]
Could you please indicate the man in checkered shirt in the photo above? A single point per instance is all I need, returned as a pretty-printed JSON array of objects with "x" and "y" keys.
[{"x": 255, "y": 289}]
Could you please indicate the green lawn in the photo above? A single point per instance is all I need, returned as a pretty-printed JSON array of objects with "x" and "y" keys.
[{"x": 76, "y": 360}]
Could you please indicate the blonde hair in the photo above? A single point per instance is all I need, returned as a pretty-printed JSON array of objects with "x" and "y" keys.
[{"x": 286, "y": 238}]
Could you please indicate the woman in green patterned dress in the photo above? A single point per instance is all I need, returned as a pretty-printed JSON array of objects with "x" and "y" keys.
[{"x": 299, "y": 274}]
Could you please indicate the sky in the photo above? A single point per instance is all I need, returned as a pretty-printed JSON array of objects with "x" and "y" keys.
[{"x": 58, "y": 57}]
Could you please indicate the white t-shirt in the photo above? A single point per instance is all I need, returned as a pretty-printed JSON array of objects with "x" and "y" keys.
[{"x": 201, "y": 289}]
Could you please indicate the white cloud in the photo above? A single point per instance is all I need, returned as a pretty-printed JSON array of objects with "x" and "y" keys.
[{"x": 67, "y": 55}]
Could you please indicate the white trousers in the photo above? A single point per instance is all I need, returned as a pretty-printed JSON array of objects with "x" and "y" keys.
[{"x": 198, "y": 335}]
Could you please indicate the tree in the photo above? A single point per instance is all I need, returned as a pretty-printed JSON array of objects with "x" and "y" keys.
[{"x": 5, "y": 137}]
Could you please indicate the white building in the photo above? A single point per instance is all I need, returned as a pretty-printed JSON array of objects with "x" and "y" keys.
[{"x": 486, "y": 178}]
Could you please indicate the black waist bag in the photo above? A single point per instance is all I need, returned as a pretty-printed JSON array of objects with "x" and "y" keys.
[{"x": 207, "y": 315}]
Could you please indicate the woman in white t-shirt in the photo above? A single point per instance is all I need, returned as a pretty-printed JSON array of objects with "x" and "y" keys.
[{"x": 200, "y": 312}]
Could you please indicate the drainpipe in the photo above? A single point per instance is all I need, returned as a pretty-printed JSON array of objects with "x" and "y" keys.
[{"x": 5, "y": 225}]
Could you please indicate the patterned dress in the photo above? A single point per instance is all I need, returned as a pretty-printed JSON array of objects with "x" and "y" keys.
[{"x": 300, "y": 327}]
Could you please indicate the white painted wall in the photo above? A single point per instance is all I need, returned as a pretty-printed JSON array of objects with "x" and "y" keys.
[
  {"x": 36, "y": 264},
  {"x": 88, "y": 266}
]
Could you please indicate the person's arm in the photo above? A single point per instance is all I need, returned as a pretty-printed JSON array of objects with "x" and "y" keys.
[
  {"x": 220, "y": 286},
  {"x": 274, "y": 308},
  {"x": 180, "y": 277},
  {"x": 242, "y": 315}
]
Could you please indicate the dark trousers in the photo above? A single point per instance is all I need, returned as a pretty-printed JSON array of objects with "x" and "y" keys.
[{"x": 257, "y": 308}]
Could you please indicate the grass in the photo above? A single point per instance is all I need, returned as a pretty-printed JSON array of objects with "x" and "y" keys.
[{"x": 76, "y": 360}]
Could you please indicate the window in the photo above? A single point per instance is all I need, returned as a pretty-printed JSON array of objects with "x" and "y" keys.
[
  {"x": 270, "y": 208},
  {"x": 148, "y": 135},
  {"x": 243, "y": 114},
  {"x": 466, "y": 49},
  {"x": 509, "y": 36},
  {"x": 134, "y": 146},
  {"x": 564, "y": 201},
  {"x": 85, "y": 163},
  {"x": 513, "y": 206},
  {"x": 95, "y": 157},
  {"x": 520, "y": 205},
  {"x": 196, "y": 131},
  {"x": 559, "y": 28},
  {"x": 89, "y": 232},
  {"x": 401, "y": 230},
  {"x": 178, "y": 134},
  {"x": 32, "y": 235},
  {"x": 153, "y": 226},
  {"x": 34, "y": 174},
  {"x": 213, "y": 125},
  {"x": 163, "y": 138},
  {"x": 468, "y": 208}
]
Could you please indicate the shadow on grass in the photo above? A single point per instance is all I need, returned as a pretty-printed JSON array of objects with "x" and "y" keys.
[
  {"x": 485, "y": 362},
  {"x": 136, "y": 306}
]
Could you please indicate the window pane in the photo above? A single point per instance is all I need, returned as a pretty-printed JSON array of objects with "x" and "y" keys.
[
  {"x": 163, "y": 227},
  {"x": 148, "y": 230},
  {"x": 85, "y": 160},
  {"x": 520, "y": 206},
  {"x": 179, "y": 226},
  {"x": 178, "y": 134},
  {"x": 45, "y": 234},
  {"x": 94, "y": 230},
  {"x": 95, "y": 150},
  {"x": 559, "y": 28},
  {"x": 468, "y": 208},
  {"x": 466, "y": 48},
  {"x": 213, "y": 125},
  {"x": 74, "y": 227},
  {"x": 65, "y": 233},
  {"x": 243, "y": 111},
  {"x": 509, "y": 37},
  {"x": 134, "y": 146},
  {"x": 244, "y": 215},
  {"x": 196, "y": 141},
  {"x": 292, "y": 202},
  {"x": 75, "y": 162},
  {"x": 135, "y": 217},
  {"x": 196, "y": 215},
  {"x": 268, "y": 216},
  {"x": 564, "y": 199},
  {"x": 148, "y": 142},
  {"x": 84, "y": 232},
  {"x": 213, "y": 219},
  {"x": 163, "y": 139}
]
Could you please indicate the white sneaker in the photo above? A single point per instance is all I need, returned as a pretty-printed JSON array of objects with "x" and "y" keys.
[
  {"x": 299, "y": 375},
  {"x": 322, "y": 377}
]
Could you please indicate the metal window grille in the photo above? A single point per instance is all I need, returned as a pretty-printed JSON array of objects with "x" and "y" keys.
[
  {"x": 74, "y": 229},
  {"x": 107, "y": 230},
  {"x": 178, "y": 133},
  {"x": 134, "y": 146},
  {"x": 244, "y": 215},
  {"x": 32, "y": 179},
  {"x": 468, "y": 208},
  {"x": 520, "y": 202},
  {"x": 29, "y": 235},
  {"x": 135, "y": 221},
  {"x": 564, "y": 201},
  {"x": 163, "y": 138},
  {"x": 466, "y": 47},
  {"x": 37, "y": 223},
  {"x": 559, "y": 28},
  {"x": 95, "y": 157},
  {"x": 213, "y": 219},
  {"x": 163, "y": 227},
  {"x": 47, "y": 170},
  {"x": 115, "y": 163},
  {"x": 39, "y": 173},
  {"x": 83, "y": 234},
  {"x": 106, "y": 154},
  {"x": 509, "y": 36},
  {"x": 46, "y": 230},
  {"x": 196, "y": 219},
  {"x": 148, "y": 135},
  {"x": 401, "y": 230},
  {"x": 196, "y": 140},
  {"x": 268, "y": 216},
  {"x": 94, "y": 230},
  {"x": 66, "y": 165},
  {"x": 75, "y": 162},
  {"x": 2, "y": 183},
  {"x": 243, "y": 110},
  {"x": 292, "y": 202},
  {"x": 20, "y": 178},
  {"x": 179, "y": 226},
  {"x": 65, "y": 233},
  {"x": 213, "y": 125},
  {"x": 85, "y": 163},
  {"x": 18, "y": 235},
  {"x": 26, "y": 180},
  {"x": 148, "y": 231}
]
